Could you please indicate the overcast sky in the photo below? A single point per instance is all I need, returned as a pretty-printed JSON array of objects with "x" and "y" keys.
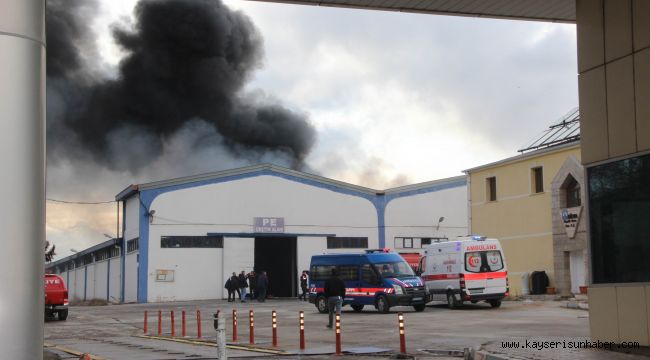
[{"x": 396, "y": 98}]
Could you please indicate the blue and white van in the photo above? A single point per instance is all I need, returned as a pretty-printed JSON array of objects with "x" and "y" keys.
[{"x": 377, "y": 277}]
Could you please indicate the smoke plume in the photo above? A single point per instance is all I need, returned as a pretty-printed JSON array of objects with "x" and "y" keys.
[{"x": 177, "y": 93}]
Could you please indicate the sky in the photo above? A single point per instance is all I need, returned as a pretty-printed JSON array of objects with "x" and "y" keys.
[{"x": 395, "y": 98}]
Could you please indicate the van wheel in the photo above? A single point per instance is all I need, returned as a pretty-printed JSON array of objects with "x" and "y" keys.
[
  {"x": 419, "y": 307},
  {"x": 357, "y": 307},
  {"x": 321, "y": 304},
  {"x": 63, "y": 314},
  {"x": 382, "y": 304},
  {"x": 495, "y": 303},
  {"x": 452, "y": 303}
]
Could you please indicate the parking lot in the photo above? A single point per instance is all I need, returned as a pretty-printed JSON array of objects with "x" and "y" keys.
[{"x": 112, "y": 332}]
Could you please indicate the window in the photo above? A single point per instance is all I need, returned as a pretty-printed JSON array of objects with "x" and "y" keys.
[
  {"x": 321, "y": 272},
  {"x": 401, "y": 242},
  {"x": 573, "y": 193},
  {"x": 619, "y": 204},
  {"x": 394, "y": 269},
  {"x": 191, "y": 241},
  {"x": 429, "y": 241},
  {"x": 368, "y": 274},
  {"x": 349, "y": 272},
  {"x": 537, "y": 179},
  {"x": 491, "y": 189},
  {"x": 347, "y": 242},
  {"x": 483, "y": 261},
  {"x": 132, "y": 245}
]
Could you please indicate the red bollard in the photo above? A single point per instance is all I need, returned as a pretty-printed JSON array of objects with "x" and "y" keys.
[
  {"x": 338, "y": 335},
  {"x": 251, "y": 328},
  {"x": 183, "y": 333},
  {"x": 159, "y": 322},
  {"x": 302, "y": 330},
  {"x": 198, "y": 324},
  {"x": 173, "y": 324},
  {"x": 274, "y": 324},
  {"x": 234, "y": 324},
  {"x": 146, "y": 323},
  {"x": 402, "y": 337}
]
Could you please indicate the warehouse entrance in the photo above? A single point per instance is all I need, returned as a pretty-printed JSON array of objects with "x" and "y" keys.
[{"x": 277, "y": 256}]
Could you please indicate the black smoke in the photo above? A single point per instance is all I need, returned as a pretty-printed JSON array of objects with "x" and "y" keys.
[{"x": 185, "y": 66}]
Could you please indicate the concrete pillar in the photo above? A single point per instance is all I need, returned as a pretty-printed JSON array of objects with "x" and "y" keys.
[{"x": 22, "y": 178}]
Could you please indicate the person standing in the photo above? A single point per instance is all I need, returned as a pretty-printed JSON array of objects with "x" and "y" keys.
[
  {"x": 228, "y": 286},
  {"x": 234, "y": 284},
  {"x": 243, "y": 284},
  {"x": 262, "y": 285},
  {"x": 335, "y": 293},
  {"x": 303, "y": 285},
  {"x": 252, "y": 283}
]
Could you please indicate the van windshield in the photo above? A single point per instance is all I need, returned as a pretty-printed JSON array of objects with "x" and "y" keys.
[
  {"x": 394, "y": 269},
  {"x": 483, "y": 261}
]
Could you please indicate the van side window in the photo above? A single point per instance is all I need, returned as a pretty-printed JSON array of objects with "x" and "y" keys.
[
  {"x": 422, "y": 267},
  {"x": 321, "y": 272},
  {"x": 368, "y": 274},
  {"x": 349, "y": 272}
]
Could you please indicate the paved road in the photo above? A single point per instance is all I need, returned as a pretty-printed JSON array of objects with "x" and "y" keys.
[{"x": 110, "y": 331}]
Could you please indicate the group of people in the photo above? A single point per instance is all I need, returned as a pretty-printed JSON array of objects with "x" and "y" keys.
[
  {"x": 258, "y": 284},
  {"x": 240, "y": 284}
]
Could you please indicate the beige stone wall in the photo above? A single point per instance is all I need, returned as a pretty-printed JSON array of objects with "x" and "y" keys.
[
  {"x": 562, "y": 244},
  {"x": 614, "y": 85}
]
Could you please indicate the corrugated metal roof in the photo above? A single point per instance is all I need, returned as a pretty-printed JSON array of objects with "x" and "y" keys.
[{"x": 538, "y": 10}]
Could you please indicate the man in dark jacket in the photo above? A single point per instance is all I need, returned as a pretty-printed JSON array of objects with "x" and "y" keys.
[
  {"x": 262, "y": 285},
  {"x": 243, "y": 285},
  {"x": 303, "y": 285},
  {"x": 232, "y": 285},
  {"x": 334, "y": 292},
  {"x": 252, "y": 283}
]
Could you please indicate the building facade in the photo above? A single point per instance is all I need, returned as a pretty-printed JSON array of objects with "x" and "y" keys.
[
  {"x": 184, "y": 237},
  {"x": 517, "y": 200}
]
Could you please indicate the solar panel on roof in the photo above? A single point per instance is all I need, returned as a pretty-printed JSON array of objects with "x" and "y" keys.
[{"x": 565, "y": 131}]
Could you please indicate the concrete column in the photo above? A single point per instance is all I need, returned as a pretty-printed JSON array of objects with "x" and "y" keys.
[{"x": 22, "y": 177}]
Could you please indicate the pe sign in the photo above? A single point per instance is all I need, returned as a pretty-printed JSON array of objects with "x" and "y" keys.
[{"x": 268, "y": 225}]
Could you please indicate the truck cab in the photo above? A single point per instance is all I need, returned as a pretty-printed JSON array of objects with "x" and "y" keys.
[
  {"x": 376, "y": 278},
  {"x": 56, "y": 297}
]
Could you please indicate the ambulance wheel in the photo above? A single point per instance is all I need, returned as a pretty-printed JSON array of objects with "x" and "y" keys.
[
  {"x": 321, "y": 304},
  {"x": 452, "y": 303},
  {"x": 495, "y": 303},
  {"x": 382, "y": 304},
  {"x": 63, "y": 314},
  {"x": 419, "y": 307},
  {"x": 357, "y": 307}
]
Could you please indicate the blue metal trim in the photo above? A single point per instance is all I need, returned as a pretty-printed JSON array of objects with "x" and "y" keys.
[
  {"x": 108, "y": 279},
  {"x": 379, "y": 201},
  {"x": 85, "y": 281},
  {"x": 250, "y": 235}
]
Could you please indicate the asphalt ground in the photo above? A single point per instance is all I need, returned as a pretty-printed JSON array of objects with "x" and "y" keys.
[{"x": 116, "y": 331}]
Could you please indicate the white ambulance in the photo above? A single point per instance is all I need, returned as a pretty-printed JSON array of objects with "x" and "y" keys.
[{"x": 465, "y": 269}]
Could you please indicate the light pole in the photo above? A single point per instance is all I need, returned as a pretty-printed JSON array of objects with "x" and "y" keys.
[{"x": 441, "y": 219}]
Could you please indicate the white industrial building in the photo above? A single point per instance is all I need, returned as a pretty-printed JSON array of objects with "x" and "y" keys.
[{"x": 185, "y": 236}]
